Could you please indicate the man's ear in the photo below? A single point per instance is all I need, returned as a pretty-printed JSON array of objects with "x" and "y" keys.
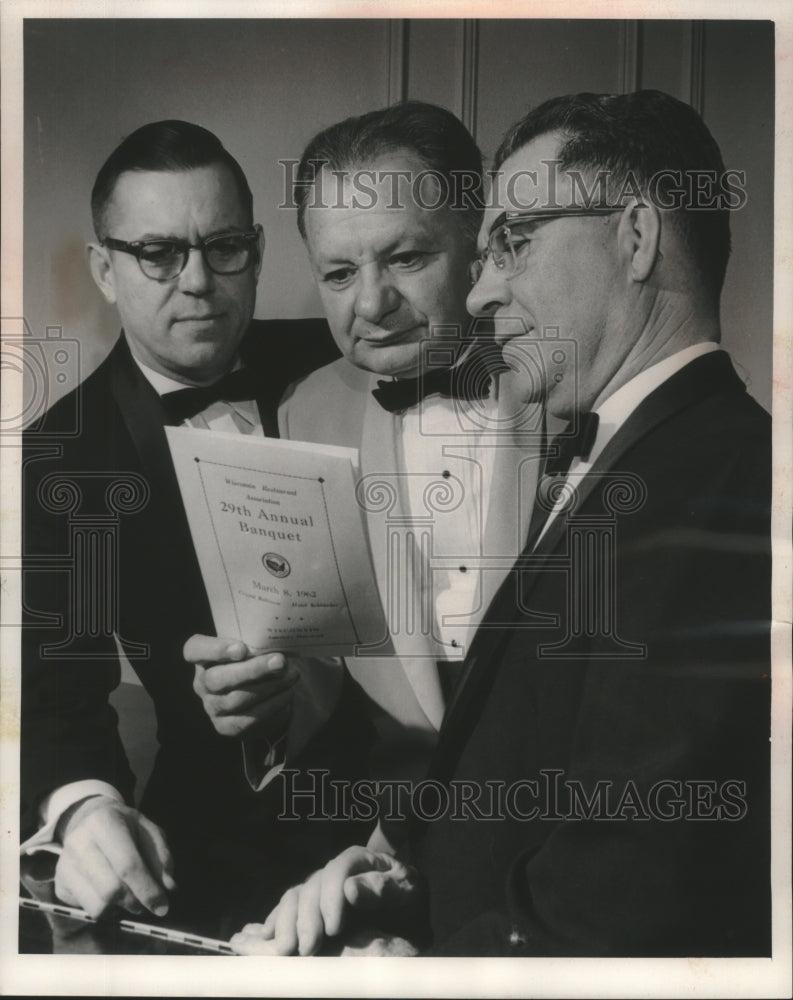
[
  {"x": 260, "y": 244},
  {"x": 102, "y": 270},
  {"x": 640, "y": 238}
]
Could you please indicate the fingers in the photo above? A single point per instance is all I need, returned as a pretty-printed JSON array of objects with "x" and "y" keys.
[
  {"x": 333, "y": 899},
  {"x": 374, "y": 943},
  {"x": 155, "y": 852},
  {"x": 391, "y": 886},
  {"x": 127, "y": 863},
  {"x": 239, "y": 699},
  {"x": 230, "y": 664},
  {"x": 310, "y": 925},
  {"x": 102, "y": 865},
  {"x": 309, "y": 913},
  {"x": 268, "y": 927},
  {"x": 210, "y": 649},
  {"x": 244, "y": 694},
  {"x": 295, "y": 926},
  {"x": 250, "y": 698},
  {"x": 285, "y": 938},
  {"x": 246, "y": 715},
  {"x": 251, "y": 941},
  {"x": 367, "y": 890},
  {"x": 90, "y": 883},
  {"x": 267, "y": 670}
]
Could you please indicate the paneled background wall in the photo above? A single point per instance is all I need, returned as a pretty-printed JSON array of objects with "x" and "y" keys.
[{"x": 266, "y": 86}]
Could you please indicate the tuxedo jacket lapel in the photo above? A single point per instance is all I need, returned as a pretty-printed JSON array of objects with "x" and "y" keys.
[
  {"x": 144, "y": 417},
  {"x": 268, "y": 414},
  {"x": 269, "y": 391},
  {"x": 380, "y": 454}
]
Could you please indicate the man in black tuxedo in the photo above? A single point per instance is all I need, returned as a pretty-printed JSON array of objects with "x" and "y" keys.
[
  {"x": 601, "y": 784},
  {"x": 109, "y": 562}
]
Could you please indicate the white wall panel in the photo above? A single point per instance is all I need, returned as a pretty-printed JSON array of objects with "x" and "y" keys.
[{"x": 265, "y": 86}]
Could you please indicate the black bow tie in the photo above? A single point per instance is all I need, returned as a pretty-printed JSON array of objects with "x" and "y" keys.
[
  {"x": 576, "y": 445},
  {"x": 470, "y": 379},
  {"x": 182, "y": 404}
]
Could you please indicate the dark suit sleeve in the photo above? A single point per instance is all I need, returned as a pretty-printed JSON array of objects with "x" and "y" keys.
[
  {"x": 69, "y": 729},
  {"x": 655, "y": 827}
]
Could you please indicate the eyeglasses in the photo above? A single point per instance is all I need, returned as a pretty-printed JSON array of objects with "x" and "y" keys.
[
  {"x": 164, "y": 260},
  {"x": 505, "y": 241}
]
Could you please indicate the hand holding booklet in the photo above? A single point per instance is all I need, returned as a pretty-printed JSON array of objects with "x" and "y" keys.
[{"x": 280, "y": 540}]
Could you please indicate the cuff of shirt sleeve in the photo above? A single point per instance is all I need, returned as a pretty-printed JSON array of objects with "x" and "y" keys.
[
  {"x": 378, "y": 841},
  {"x": 56, "y": 804},
  {"x": 263, "y": 761},
  {"x": 315, "y": 696}
]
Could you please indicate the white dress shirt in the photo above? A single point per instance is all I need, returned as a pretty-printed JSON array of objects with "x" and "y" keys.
[
  {"x": 424, "y": 433},
  {"x": 241, "y": 416}
]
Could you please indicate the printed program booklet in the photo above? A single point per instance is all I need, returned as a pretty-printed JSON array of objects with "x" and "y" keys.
[{"x": 280, "y": 540}]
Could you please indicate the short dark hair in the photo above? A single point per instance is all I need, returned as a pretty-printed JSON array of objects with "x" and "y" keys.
[
  {"x": 435, "y": 135},
  {"x": 168, "y": 146},
  {"x": 639, "y": 134}
]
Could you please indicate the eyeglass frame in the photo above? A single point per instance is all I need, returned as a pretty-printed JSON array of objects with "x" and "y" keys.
[
  {"x": 136, "y": 247},
  {"x": 542, "y": 215}
]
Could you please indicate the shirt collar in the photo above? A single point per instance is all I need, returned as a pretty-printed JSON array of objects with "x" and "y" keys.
[
  {"x": 616, "y": 409},
  {"x": 164, "y": 383}
]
